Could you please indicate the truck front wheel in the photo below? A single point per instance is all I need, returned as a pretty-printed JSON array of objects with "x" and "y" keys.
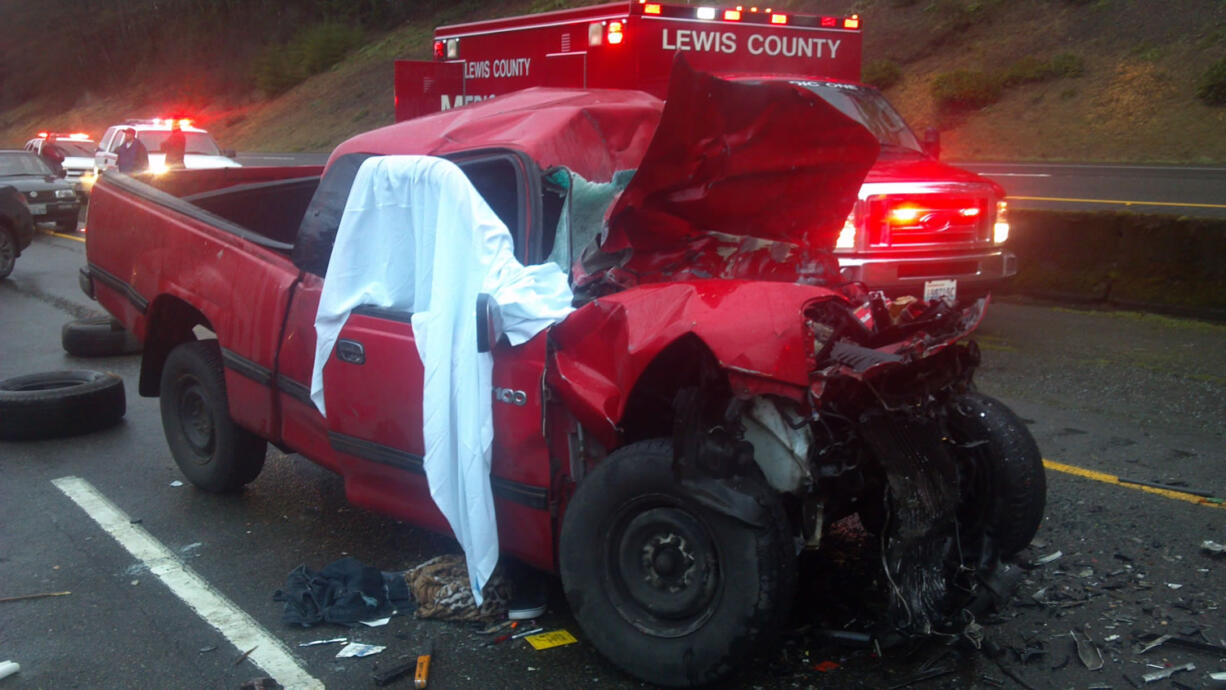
[
  {"x": 666, "y": 588},
  {"x": 212, "y": 451}
]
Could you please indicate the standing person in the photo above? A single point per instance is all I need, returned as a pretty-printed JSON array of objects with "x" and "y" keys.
[
  {"x": 175, "y": 146},
  {"x": 52, "y": 155},
  {"x": 131, "y": 156}
]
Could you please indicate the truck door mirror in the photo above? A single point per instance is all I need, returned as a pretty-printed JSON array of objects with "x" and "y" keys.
[
  {"x": 489, "y": 323},
  {"x": 932, "y": 142}
]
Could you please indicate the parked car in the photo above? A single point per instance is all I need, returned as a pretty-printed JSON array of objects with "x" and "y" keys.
[
  {"x": 715, "y": 402},
  {"x": 201, "y": 151},
  {"x": 50, "y": 198},
  {"x": 78, "y": 151},
  {"x": 16, "y": 227}
]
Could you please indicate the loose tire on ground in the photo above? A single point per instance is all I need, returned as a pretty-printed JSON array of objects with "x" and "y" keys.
[
  {"x": 213, "y": 452},
  {"x": 1019, "y": 493},
  {"x": 97, "y": 337},
  {"x": 59, "y": 403},
  {"x": 665, "y": 588},
  {"x": 8, "y": 253}
]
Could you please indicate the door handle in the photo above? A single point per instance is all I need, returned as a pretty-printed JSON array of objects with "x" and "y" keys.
[{"x": 350, "y": 351}]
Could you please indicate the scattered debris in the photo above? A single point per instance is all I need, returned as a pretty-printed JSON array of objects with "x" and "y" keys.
[
  {"x": 176, "y": 483},
  {"x": 345, "y": 591},
  {"x": 314, "y": 643},
  {"x": 1168, "y": 487},
  {"x": 926, "y": 675},
  {"x": 1217, "y": 680},
  {"x": 442, "y": 590},
  {"x": 389, "y": 675},
  {"x": 376, "y": 622},
  {"x": 40, "y": 595},
  {"x": 1172, "y": 585},
  {"x": 1090, "y": 657},
  {"x": 826, "y": 666},
  {"x": 8, "y": 668},
  {"x": 244, "y": 655},
  {"x": 994, "y": 682},
  {"x": 1212, "y": 547},
  {"x": 1155, "y": 676},
  {"x": 1049, "y": 558},
  {"x": 358, "y": 650},
  {"x": 556, "y": 638},
  {"x": 206, "y": 650},
  {"x": 1149, "y": 646},
  {"x": 526, "y": 633}
]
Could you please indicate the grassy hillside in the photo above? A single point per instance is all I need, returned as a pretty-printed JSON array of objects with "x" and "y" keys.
[{"x": 1138, "y": 65}]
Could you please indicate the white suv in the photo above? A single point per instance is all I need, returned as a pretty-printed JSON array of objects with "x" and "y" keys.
[
  {"x": 201, "y": 151},
  {"x": 78, "y": 151}
]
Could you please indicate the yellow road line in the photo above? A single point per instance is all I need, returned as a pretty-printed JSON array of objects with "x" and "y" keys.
[
  {"x": 1112, "y": 479},
  {"x": 1117, "y": 201}
]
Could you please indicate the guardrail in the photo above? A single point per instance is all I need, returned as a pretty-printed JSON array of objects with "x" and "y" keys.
[{"x": 1155, "y": 262}]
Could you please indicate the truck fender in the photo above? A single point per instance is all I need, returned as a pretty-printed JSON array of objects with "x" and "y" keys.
[{"x": 168, "y": 323}]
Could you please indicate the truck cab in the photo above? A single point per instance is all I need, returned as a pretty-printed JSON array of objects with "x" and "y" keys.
[{"x": 920, "y": 227}]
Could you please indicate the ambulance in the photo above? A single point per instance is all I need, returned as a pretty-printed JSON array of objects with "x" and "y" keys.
[{"x": 920, "y": 226}]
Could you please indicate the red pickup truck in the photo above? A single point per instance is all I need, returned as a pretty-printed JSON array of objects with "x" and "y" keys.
[{"x": 717, "y": 400}]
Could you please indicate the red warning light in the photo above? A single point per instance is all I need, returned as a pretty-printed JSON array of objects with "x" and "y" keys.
[
  {"x": 439, "y": 50},
  {"x": 829, "y": 22}
]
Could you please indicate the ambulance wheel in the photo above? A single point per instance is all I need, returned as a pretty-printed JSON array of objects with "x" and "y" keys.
[
  {"x": 213, "y": 452},
  {"x": 666, "y": 588}
]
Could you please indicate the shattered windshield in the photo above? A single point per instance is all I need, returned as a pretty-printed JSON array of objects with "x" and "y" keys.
[{"x": 869, "y": 108}]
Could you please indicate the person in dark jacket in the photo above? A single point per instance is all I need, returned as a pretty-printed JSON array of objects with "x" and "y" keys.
[
  {"x": 131, "y": 156},
  {"x": 175, "y": 146},
  {"x": 53, "y": 156}
]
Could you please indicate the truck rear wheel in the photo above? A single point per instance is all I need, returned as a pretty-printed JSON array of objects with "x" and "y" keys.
[
  {"x": 1000, "y": 442},
  {"x": 212, "y": 451},
  {"x": 666, "y": 588}
]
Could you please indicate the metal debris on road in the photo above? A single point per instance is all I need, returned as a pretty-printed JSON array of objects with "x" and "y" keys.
[
  {"x": 526, "y": 633},
  {"x": 358, "y": 650},
  {"x": 8, "y": 668},
  {"x": 1212, "y": 547},
  {"x": 1044, "y": 560},
  {"x": 376, "y": 622},
  {"x": 1155, "y": 676},
  {"x": 176, "y": 483},
  {"x": 40, "y": 595},
  {"x": 244, "y": 655},
  {"x": 1090, "y": 657},
  {"x": 206, "y": 650},
  {"x": 1149, "y": 646},
  {"x": 313, "y": 643}
]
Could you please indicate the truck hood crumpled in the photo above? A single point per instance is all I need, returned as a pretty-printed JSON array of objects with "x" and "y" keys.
[{"x": 740, "y": 180}]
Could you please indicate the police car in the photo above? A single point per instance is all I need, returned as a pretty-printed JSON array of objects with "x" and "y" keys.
[
  {"x": 201, "y": 151},
  {"x": 77, "y": 148}
]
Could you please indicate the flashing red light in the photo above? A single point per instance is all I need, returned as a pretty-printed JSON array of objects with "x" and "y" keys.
[
  {"x": 852, "y": 22},
  {"x": 779, "y": 19},
  {"x": 829, "y": 22},
  {"x": 615, "y": 35},
  {"x": 732, "y": 15},
  {"x": 440, "y": 50},
  {"x": 186, "y": 122},
  {"x": 42, "y": 135},
  {"x": 651, "y": 8}
]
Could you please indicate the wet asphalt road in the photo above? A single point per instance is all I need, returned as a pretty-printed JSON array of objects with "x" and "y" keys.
[{"x": 1131, "y": 395}]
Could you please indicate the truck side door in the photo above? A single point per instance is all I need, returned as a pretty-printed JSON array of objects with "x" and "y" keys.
[{"x": 373, "y": 382}]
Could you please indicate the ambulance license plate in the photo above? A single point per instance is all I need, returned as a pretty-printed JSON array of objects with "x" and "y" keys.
[{"x": 936, "y": 289}]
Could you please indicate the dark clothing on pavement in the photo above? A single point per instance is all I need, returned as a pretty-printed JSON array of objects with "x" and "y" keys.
[
  {"x": 132, "y": 157},
  {"x": 175, "y": 146},
  {"x": 344, "y": 592}
]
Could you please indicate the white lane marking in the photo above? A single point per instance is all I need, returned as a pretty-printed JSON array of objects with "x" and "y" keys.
[{"x": 218, "y": 611}]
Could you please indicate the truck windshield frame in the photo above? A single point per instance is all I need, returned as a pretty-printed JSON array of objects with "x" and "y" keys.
[{"x": 867, "y": 106}]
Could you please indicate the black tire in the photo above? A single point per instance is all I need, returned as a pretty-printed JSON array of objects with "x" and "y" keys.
[
  {"x": 98, "y": 337},
  {"x": 1014, "y": 464},
  {"x": 665, "y": 627},
  {"x": 54, "y": 404},
  {"x": 8, "y": 252},
  {"x": 213, "y": 452}
]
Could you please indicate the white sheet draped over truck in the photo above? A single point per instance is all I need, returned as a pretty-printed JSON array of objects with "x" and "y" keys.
[{"x": 416, "y": 235}]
